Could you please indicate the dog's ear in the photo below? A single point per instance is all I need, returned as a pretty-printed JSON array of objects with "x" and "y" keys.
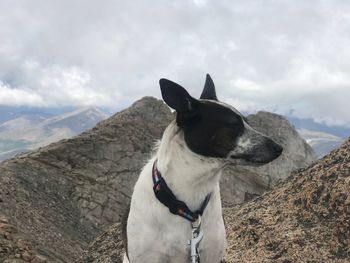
[
  {"x": 178, "y": 98},
  {"x": 209, "y": 92}
]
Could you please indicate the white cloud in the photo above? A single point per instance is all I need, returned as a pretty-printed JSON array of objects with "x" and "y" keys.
[
  {"x": 275, "y": 55},
  {"x": 18, "y": 97},
  {"x": 200, "y": 2}
]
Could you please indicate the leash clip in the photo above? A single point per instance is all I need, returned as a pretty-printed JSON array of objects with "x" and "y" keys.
[{"x": 196, "y": 238}]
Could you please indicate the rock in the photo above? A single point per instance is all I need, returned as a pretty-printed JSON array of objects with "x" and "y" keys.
[
  {"x": 27, "y": 256},
  {"x": 14, "y": 249},
  {"x": 22, "y": 244},
  {"x": 15, "y": 260},
  {"x": 7, "y": 228},
  {"x": 3, "y": 220},
  {"x": 38, "y": 259}
]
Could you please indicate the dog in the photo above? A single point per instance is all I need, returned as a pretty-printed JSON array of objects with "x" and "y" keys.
[{"x": 206, "y": 136}]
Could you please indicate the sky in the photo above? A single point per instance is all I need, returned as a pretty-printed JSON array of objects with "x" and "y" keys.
[{"x": 289, "y": 57}]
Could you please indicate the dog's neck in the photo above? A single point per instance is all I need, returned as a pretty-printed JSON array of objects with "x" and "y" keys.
[{"x": 190, "y": 176}]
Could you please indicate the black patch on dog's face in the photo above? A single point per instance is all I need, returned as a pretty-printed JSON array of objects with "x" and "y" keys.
[{"x": 214, "y": 131}]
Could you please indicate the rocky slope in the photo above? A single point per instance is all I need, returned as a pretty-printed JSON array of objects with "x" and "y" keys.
[
  {"x": 15, "y": 249},
  {"x": 61, "y": 196},
  {"x": 304, "y": 219}
]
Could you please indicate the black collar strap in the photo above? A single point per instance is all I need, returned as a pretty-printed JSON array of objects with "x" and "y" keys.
[{"x": 167, "y": 198}]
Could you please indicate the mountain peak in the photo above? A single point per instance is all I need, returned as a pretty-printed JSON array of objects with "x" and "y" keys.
[{"x": 88, "y": 111}]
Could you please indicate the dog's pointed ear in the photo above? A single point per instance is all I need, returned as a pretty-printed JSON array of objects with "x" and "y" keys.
[
  {"x": 176, "y": 96},
  {"x": 209, "y": 92}
]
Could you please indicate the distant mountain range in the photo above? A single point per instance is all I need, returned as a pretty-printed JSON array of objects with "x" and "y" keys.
[
  {"x": 321, "y": 142},
  {"x": 21, "y": 131},
  {"x": 24, "y": 128},
  {"x": 322, "y": 138},
  {"x": 310, "y": 124},
  {"x": 11, "y": 112}
]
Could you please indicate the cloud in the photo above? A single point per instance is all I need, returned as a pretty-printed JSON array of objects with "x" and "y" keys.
[
  {"x": 272, "y": 55},
  {"x": 18, "y": 97}
]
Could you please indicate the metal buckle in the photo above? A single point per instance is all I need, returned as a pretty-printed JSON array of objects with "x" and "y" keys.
[{"x": 196, "y": 237}]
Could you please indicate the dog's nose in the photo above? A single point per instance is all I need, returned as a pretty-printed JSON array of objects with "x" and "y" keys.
[{"x": 274, "y": 149}]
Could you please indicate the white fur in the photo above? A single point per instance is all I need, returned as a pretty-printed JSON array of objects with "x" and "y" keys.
[
  {"x": 157, "y": 236},
  {"x": 247, "y": 141}
]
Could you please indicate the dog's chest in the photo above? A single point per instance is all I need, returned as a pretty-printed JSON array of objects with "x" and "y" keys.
[
  {"x": 156, "y": 235},
  {"x": 211, "y": 247},
  {"x": 168, "y": 242}
]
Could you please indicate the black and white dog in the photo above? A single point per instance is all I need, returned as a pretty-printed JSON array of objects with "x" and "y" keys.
[{"x": 179, "y": 186}]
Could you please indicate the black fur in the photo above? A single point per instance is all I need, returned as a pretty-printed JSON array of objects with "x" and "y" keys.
[
  {"x": 210, "y": 129},
  {"x": 215, "y": 132},
  {"x": 209, "y": 92},
  {"x": 176, "y": 96}
]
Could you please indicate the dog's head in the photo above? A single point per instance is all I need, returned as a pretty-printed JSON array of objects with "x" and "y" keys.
[{"x": 215, "y": 129}]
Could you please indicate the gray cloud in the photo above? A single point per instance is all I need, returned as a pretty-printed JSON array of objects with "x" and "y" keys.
[{"x": 276, "y": 55}]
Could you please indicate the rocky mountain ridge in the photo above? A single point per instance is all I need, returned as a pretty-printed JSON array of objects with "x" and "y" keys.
[{"x": 62, "y": 195}]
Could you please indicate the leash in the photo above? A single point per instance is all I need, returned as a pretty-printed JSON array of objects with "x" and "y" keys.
[{"x": 177, "y": 207}]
